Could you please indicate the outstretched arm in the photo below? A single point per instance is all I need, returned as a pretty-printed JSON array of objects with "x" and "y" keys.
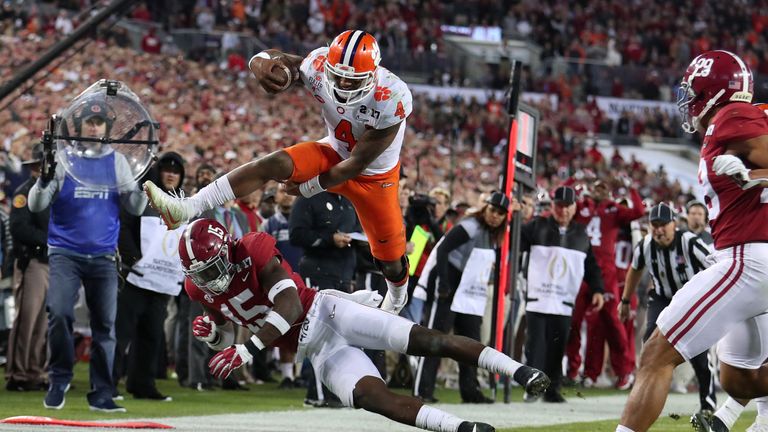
[{"x": 267, "y": 67}]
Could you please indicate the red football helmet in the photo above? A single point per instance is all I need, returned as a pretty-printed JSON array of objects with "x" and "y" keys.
[
  {"x": 712, "y": 79},
  {"x": 350, "y": 68},
  {"x": 205, "y": 250}
]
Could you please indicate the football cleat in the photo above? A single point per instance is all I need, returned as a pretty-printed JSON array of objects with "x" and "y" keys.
[
  {"x": 475, "y": 427},
  {"x": 394, "y": 306},
  {"x": 701, "y": 422},
  {"x": 174, "y": 211},
  {"x": 533, "y": 381}
]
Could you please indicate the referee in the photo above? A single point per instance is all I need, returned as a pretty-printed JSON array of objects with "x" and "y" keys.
[{"x": 673, "y": 257}]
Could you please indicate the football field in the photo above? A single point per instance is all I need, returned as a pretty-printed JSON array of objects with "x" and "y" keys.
[{"x": 265, "y": 408}]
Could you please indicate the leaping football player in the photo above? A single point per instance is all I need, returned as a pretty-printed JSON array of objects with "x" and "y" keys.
[
  {"x": 247, "y": 282},
  {"x": 365, "y": 107}
]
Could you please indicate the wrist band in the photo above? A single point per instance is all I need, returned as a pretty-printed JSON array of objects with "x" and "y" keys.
[
  {"x": 311, "y": 187},
  {"x": 278, "y": 321},
  {"x": 624, "y": 301},
  {"x": 254, "y": 345},
  {"x": 263, "y": 55}
]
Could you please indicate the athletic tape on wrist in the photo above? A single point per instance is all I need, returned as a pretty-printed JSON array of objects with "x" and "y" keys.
[
  {"x": 254, "y": 345},
  {"x": 278, "y": 321},
  {"x": 279, "y": 287},
  {"x": 311, "y": 187},
  {"x": 263, "y": 54}
]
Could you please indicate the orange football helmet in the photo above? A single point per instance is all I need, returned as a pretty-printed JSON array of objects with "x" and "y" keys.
[{"x": 350, "y": 67}]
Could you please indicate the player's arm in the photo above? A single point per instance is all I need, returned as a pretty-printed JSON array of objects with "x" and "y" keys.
[
  {"x": 368, "y": 148},
  {"x": 283, "y": 294},
  {"x": 626, "y": 214},
  {"x": 634, "y": 274},
  {"x": 213, "y": 329},
  {"x": 270, "y": 66}
]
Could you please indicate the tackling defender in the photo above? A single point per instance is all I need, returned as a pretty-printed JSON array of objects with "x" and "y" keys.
[
  {"x": 247, "y": 282},
  {"x": 364, "y": 107}
]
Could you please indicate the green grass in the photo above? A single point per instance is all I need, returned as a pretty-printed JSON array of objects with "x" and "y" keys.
[{"x": 188, "y": 402}]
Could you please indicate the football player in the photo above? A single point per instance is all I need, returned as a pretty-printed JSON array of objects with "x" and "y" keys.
[
  {"x": 727, "y": 301},
  {"x": 364, "y": 107},
  {"x": 247, "y": 282}
]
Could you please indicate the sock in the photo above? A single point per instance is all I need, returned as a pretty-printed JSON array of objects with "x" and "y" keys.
[
  {"x": 496, "y": 362},
  {"x": 215, "y": 194},
  {"x": 729, "y": 412},
  {"x": 287, "y": 370},
  {"x": 398, "y": 289},
  {"x": 621, "y": 428},
  {"x": 437, "y": 420},
  {"x": 762, "y": 406}
]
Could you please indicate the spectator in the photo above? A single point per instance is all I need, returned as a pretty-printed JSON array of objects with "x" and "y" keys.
[
  {"x": 151, "y": 276},
  {"x": 26, "y": 343},
  {"x": 84, "y": 253},
  {"x": 698, "y": 219},
  {"x": 463, "y": 265},
  {"x": 549, "y": 301},
  {"x": 151, "y": 43}
]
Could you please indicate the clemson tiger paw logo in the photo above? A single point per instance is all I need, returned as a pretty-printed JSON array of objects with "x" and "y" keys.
[{"x": 382, "y": 94}]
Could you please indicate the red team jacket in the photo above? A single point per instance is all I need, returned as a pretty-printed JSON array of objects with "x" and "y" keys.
[
  {"x": 246, "y": 303},
  {"x": 736, "y": 216}
]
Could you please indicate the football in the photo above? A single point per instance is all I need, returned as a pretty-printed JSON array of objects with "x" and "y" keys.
[{"x": 282, "y": 71}]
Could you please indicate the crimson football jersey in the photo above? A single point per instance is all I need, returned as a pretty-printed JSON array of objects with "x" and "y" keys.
[
  {"x": 602, "y": 221},
  {"x": 246, "y": 303},
  {"x": 736, "y": 216}
]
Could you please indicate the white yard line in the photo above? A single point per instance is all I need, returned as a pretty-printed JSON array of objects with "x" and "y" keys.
[{"x": 348, "y": 420}]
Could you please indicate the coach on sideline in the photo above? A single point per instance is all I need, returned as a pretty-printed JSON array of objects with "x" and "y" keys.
[
  {"x": 673, "y": 257},
  {"x": 560, "y": 257}
]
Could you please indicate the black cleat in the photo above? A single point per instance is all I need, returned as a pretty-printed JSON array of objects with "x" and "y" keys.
[
  {"x": 701, "y": 422},
  {"x": 534, "y": 381},
  {"x": 475, "y": 427}
]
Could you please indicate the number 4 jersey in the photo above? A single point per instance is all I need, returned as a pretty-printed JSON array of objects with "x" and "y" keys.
[
  {"x": 388, "y": 104},
  {"x": 736, "y": 216},
  {"x": 246, "y": 302}
]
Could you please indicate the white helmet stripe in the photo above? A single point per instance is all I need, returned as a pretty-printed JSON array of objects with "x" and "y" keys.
[
  {"x": 744, "y": 70},
  {"x": 349, "y": 49},
  {"x": 188, "y": 244}
]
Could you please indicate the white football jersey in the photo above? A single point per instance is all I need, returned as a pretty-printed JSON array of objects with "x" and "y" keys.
[{"x": 388, "y": 104}]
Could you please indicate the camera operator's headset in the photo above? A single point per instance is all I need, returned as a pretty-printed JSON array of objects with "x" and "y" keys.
[{"x": 94, "y": 108}]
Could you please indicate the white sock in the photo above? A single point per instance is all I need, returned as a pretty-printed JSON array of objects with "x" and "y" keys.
[
  {"x": 213, "y": 195},
  {"x": 621, "y": 428},
  {"x": 287, "y": 370},
  {"x": 762, "y": 406},
  {"x": 398, "y": 291},
  {"x": 496, "y": 362},
  {"x": 437, "y": 420},
  {"x": 729, "y": 412}
]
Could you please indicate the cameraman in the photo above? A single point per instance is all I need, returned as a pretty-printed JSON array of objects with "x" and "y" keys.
[{"x": 421, "y": 213}]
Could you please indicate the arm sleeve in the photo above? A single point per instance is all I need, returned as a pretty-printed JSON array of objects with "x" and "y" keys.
[
  {"x": 133, "y": 199},
  {"x": 740, "y": 122},
  {"x": 301, "y": 230},
  {"x": 592, "y": 274},
  {"x": 638, "y": 255},
  {"x": 527, "y": 235},
  {"x": 625, "y": 215},
  {"x": 698, "y": 251},
  {"x": 41, "y": 196},
  {"x": 454, "y": 238}
]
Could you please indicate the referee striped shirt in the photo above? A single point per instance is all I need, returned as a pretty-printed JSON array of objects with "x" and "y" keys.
[{"x": 673, "y": 266}]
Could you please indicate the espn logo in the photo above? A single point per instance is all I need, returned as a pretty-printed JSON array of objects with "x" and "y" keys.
[{"x": 83, "y": 192}]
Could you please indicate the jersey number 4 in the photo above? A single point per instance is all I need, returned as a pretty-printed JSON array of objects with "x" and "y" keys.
[{"x": 343, "y": 133}]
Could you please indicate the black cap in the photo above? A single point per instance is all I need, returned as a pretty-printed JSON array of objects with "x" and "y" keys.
[
  {"x": 37, "y": 155},
  {"x": 205, "y": 167},
  {"x": 565, "y": 194},
  {"x": 269, "y": 193},
  {"x": 170, "y": 163},
  {"x": 662, "y": 213},
  {"x": 95, "y": 108},
  {"x": 498, "y": 199}
]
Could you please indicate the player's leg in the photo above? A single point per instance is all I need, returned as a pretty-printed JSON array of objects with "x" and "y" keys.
[
  {"x": 707, "y": 308},
  {"x": 742, "y": 353},
  {"x": 299, "y": 163},
  {"x": 376, "y": 201},
  {"x": 349, "y": 373}
]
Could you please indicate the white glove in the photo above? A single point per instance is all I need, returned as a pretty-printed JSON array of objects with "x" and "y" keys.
[
  {"x": 204, "y": 329},
  {"x": 231, "y": 358},
  {"x": 733, "y": 166}
]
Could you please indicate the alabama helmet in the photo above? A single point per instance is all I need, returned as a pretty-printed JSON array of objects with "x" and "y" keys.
[
  {"x": 712, "y": 79},
  {"x": 205, "y": 250}
]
